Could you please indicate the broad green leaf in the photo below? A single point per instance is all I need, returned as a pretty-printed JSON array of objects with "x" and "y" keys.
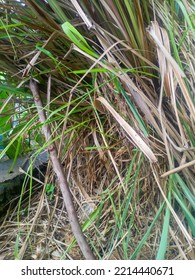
[{"x": 77, "y": 39}]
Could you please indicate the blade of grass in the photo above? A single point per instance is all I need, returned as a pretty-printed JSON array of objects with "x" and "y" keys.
[
  {"x": 165, "y": 231},
  {"x": 87, "y": 223},
  {"x": 189, "y": 217},
  {"x": 134, "y": 110},
  {"x": 78, "y": 39},
  {"x": 58, "y": 10},
  {"x": 185, "y": 189},
  {"x": 142, "y": 242}
]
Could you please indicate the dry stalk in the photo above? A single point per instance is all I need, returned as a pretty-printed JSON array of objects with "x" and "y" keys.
[{"x": 58, "y": 169}]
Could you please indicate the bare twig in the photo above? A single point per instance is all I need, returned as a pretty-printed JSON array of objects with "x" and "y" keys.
[
  {"x": 177, "y": 169},
  {"x": 76, "y": 228}
]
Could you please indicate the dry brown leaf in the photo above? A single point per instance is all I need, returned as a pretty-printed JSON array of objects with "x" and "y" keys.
[
  {"x": 129, "y": 130},
  {"x": 168, "y": 56}
]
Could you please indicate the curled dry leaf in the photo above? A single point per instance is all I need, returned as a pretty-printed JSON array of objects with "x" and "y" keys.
[{"x": 138, "y": 141}]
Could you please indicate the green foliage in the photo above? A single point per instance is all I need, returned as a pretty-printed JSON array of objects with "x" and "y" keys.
[
  {"x": 163, "y": 246},
  {"x": 50, "y": 191},
  {"x": 147, "y": 79},
  {"x": 5, "y": 123},
  {"x": 77, "y": 38},
  {"x": 143, "y": 241}
]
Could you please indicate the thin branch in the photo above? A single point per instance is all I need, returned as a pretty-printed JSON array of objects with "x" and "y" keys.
[
  {"x": 177, "y": 169},
  {"x": 58, "y": 169}
]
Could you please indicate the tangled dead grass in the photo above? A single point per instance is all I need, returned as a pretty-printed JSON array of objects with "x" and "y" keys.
[
  {"x": 40, "y": 229},
  {"x": 117, "y": 192},
  {"x": 48, "y": 234}
]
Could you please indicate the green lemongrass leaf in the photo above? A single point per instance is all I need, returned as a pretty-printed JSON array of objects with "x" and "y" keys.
[
  {"x": 135, "y": 23},
  {"x": 49, "y": 54},
  {"x": 134, "y": 110},
  {"x": 190, "y": 132},
  {"x": 15, "y": 152},
  {"x": 25, "y": 128},
  {"x": 94, "y": 70},
  {"x": 146, "y": 9},
  {"x": 130, "y": 168},
  {"x": 186, "y": 15},
  {"x": 116, "y": 212},
  {"x": 104, "y": 70},
  {"x": 5, "y": 36},
  {"x": 128, "y": 237},
  {"x": 171, "y": 30},
  {"x": 127, "y": 26},
  {"x": 78, "y": 39},
  {"x": 165, "y": 231},
  {"x": 18, "y": 35},
  {"x": 58, "y": 10},
  {"x": 187, "y": 213},
  {"x": 138, "y": 249},
  {"x": 16, "y": 246},
  {"x": 124, "y": 209},
  {"x": 11, "y": 25},
  {"x": 88, "y": 222},
  {"x": 14, "y": 90},
  {"x": 68, "y": 28},
  {"x": 46, "y": 52},
  {"x": 185, "y": 189}
]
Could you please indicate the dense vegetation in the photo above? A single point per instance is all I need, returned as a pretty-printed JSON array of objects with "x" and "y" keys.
[{"x": 116, "y": 80}]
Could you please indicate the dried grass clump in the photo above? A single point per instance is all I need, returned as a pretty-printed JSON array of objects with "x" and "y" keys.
[{"x": 116, "y": 80}]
